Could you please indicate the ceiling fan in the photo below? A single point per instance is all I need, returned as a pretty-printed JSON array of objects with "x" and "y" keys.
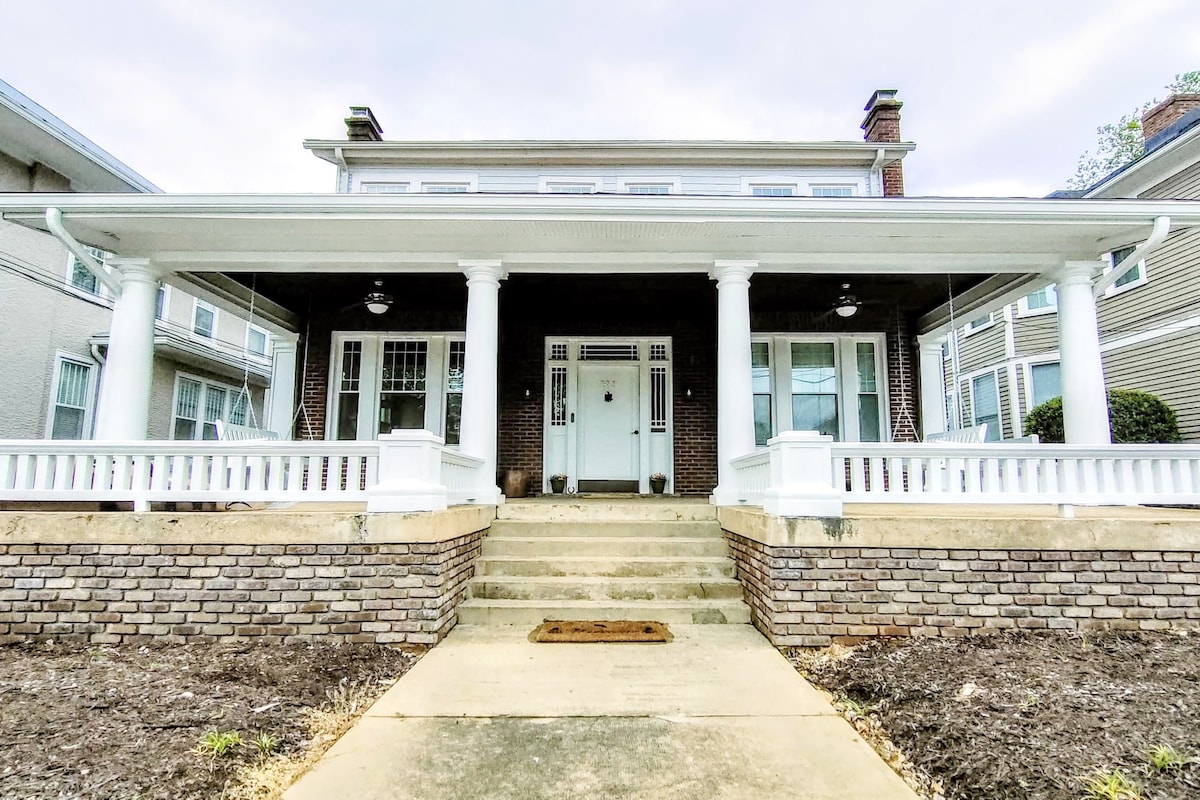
[
  {"x": 847, "y": 304},
  {"x": 376, "y": 301}
]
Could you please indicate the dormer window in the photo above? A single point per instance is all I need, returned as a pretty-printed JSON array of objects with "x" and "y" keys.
[
  {"x": 446, "y": 188},
  {"x": 569, "y": 185},
  {"x": 773, "y": 189},
  {"x": 383, "y": 188},
  {"x": 832, "y": 191},
  {"x": 648, "y": 188}
]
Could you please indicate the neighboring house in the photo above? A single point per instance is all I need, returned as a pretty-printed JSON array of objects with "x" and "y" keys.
[
  {"x": 55, "y": 313},
  {"x": 1007, "y": 362},
  {"x": 604, "y": 309}
]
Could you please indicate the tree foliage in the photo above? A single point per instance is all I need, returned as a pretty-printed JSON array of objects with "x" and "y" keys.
[
  {"x": 1119, "y": 143},
  {"x": 1133, "y": 417}
]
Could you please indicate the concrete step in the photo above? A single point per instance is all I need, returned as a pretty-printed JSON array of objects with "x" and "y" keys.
[
  {"x": 648, "y": 509},
  {"x": 614, "y": 546},
  {"x": 603, "y": 588},
  {"x": 605, "y": 566},
  {"x": 534, "y": 612},
  {"x": 692, "y": 528}
]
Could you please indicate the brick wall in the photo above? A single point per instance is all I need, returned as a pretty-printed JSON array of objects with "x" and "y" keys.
[
  {"x": 109, "y": 593},
  {"x": 813, "y": 596}
]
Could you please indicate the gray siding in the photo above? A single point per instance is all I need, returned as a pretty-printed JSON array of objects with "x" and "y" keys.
[
  {"x": 982, "y": 348},
  {"x": 1035, "y": 335},
  {"x": 1166, "y": 367},
  {"x": 1183, "y": 186},
  {"x": 1171, "y": 291}
]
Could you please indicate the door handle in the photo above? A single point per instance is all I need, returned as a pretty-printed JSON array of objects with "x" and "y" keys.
[{"x": 635, "y": 433}]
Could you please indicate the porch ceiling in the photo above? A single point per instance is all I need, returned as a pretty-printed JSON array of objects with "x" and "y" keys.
[{"x": 541, "y": 233}]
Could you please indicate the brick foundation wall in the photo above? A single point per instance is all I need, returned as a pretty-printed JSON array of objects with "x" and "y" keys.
[
  {"x": 814, "y": 596},
  {"x": 110, "y": 593}
]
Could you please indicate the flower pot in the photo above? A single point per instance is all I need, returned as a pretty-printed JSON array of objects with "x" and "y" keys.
[
  {"x": 658, "y": 485},
  {"x": 516, "y": 483},
  {"x": 558, "y": 485}
]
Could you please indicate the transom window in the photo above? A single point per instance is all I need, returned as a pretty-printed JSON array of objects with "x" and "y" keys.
[
  {"x": 825, "y": 384},
  {"x": 389, "y": 382}
]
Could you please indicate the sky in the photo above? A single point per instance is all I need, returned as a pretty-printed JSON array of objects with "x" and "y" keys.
[{"x": 1001, "y": 97}]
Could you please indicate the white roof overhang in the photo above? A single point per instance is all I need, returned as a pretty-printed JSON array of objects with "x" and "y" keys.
[
  {"x": 1012, "y": 240},
  {"x": 1152, "y": 168}
]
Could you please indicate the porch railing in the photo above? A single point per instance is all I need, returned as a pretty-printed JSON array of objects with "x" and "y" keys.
[
  {"x": 804, "y": 474},
  {"x": 147, "y": 471}
]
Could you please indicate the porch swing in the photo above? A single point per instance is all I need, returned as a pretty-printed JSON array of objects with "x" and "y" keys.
[{"x": 954, "y": 434}]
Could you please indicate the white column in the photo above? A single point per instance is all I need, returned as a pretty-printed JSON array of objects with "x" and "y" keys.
[
  {"x": 283, "y": 386},
  {"x": 124, "y": 410},
  {"x": 1085, "y": 402},
  {"x": 479, "y": 407},
  {"x": 933, "y": 386},
  {"x": 735, "y": 395}
]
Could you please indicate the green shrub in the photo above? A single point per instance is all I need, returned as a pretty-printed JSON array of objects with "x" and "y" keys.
[{"x": 1133, "y": 417}]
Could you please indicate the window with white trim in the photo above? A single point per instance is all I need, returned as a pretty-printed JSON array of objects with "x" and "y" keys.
[
  {"x": 162, "y": 302},
  {"x": 199, "y": 403},
  {"x": 979, "y": 323},
  {"x": 648, "y": 188},
  {"x": 445, "y": 187},
  {"x": 1045, "y": 382},
  {"x": 257, "y": 341},
  {"x": 773, "y": 189},
  {"x": 1043, "y": 301},
  {"x": 82, "y": 278},
  {"x": 383, "y": 187},
  {"x": 1134, "y": 277},
  {"x": 204, "y": 319},
  {"x": 832, "y": 191},
  {"x": 397, "y": 381},
  {"x": 569, "y": 185},
  {"x": 829, "y": 384},
  {"x": 985, "y": 404},
  {"x": 71, "y": 407}
]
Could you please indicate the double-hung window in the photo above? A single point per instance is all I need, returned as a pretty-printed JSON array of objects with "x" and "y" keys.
[
  {"x": 1045, "y": 382},
  {"x": 71, "y": 410},
  {"x": 828, "y": 384},
  {"x": 389, "y": 382},
  {"x": 199, "y": 403},
  {"x": 985, "y": 404}
]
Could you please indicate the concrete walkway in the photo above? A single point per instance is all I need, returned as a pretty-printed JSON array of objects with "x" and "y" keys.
[{"x": 717, "y": 713}]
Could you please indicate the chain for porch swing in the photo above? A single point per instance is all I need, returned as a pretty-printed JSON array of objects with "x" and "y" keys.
[{"x": 244, "y": 394}]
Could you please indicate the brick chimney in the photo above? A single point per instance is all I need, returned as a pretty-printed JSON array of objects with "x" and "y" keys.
[
  {"x": 882, "y": 124},
  {"x": 1162, "y": 115},
  {"x": 361, "y": 125}
]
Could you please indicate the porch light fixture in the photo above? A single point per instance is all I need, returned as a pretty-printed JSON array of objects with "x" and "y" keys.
[
  {"x": 847, "y": 305},
  {"x": 377, "y": 302}
]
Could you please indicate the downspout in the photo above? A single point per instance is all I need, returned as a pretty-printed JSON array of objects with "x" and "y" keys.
[
  {"x": 877, "y": 168},
  {"x": 54, "y": 221},
  {"x": 1158, "y": 234}
]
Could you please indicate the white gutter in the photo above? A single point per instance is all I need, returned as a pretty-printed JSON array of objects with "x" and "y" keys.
[
  {"x": 1158, "y": 234},
  {"x": 54, "y": 221}
]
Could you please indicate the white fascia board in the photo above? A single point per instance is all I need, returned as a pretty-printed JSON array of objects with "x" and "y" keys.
[
  {"x": 1152, "y": 169},
  {"x": 24, "y": 207},
  {"x": 607, "y": 152},
  {"x": 61, "y": 147}
]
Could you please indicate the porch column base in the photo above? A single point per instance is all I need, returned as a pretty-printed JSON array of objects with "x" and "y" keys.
[
  {"x": 410, "y": 474},
  {"x": 799, "y": 502}
]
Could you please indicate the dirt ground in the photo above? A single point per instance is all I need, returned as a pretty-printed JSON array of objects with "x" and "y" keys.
[
  {"x": 124, "y": 722},
  {"x": 1028, "y": 716}
]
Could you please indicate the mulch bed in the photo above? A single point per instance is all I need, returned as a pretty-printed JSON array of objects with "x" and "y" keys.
[
  {"x": 1023, "y": 716},
  {"x": 124, "y": 722},
  {"x": 609, "y": 632}
]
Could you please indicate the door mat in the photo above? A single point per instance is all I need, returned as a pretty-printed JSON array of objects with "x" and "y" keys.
[{"x": 605, "y": 631}]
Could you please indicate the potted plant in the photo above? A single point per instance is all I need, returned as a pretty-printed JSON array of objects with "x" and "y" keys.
[
  {"x": 558, "y": 483},
  {"x": 658, "y": 483}
]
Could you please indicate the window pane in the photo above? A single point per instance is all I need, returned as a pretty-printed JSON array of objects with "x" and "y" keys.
[
  {"x": 185, "y": 428},
  {"x": 453, "y": 418},
  {"x": 160, "y": 302},
  {"x": 1043, "y": 298},
  {"x": 1047, "y": 382},
  {"x": 68, "y": 423},
  {"x": 648, "y": 188},
  {"x": 1132, "y": 275},
  {"x": 772, "y": 191},
  {"x": 815, "y": 412},
  {"x": 256, "y": 342},
  {"x": 866, "y": 366},
  {"x": 813, "y": 368},
  {"x": 188, "y": 402},
  {"x": 760, "y": 367},
  {"x": 868, "y": 418},
  {"x": 72, "y": 384},
  {"x": 762, "y": 419},
  {"x": 214, "y": 404},
  {"x": 203, "y": 323},
  {"x": 403, "y": 366},
  {"x": 237, "y": 409},
  {"x": 347, "y": 420},
  {"x": 985, "y": 405},
  {"x": 401, "y": 411},
  {"x": 833, "y": 191},
  {"x": 82, "y": 277}
]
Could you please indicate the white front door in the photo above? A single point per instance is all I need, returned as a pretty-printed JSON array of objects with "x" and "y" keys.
[{"x": 609, "y": 412}]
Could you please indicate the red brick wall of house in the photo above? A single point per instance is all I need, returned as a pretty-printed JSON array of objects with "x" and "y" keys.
[{"x": 533, "y": 307}]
